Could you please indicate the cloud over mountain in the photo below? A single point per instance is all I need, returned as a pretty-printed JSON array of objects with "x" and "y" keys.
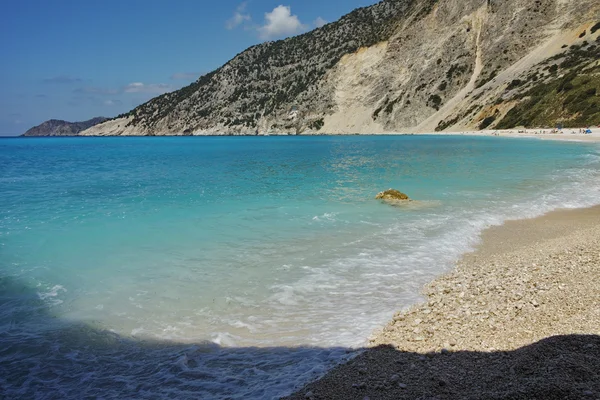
[
  {"x": 239, "y": 17},
  {"x": 280, "y": 22},
  {"x": 153, "y": 88}
]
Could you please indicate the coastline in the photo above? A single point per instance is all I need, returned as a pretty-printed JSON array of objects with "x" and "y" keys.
[
  {"x": 541, "y": 133},
  {"x": 544, "y": 134},
  {"x": 528, "y": 295},
  {"x": 581, "y": 194}
]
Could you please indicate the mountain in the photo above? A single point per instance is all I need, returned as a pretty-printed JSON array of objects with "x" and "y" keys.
[
  {"x": 55, "y": 127},
  {"x": 399, "y": 66}
]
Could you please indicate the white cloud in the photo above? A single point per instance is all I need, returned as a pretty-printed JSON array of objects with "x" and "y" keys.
[
  {"x": 151, "y": 88},
  {"x": 186, "y": 76},
  {"x": 63, "y": 79},
  {"x": 99, "y": 96},
  {"x": 319, "y": 22},
  {"x": 111, "y": 103},
  {"x": 280, "y": 22},
  {"x": 135, "y": 87},
  {"x": 239, "y": 17},
  {"x": 16, "y": 118},
  {"x": 96, "y": 90}
]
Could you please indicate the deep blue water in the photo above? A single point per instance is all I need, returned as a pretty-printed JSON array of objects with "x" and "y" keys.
[{"x": 118, "y": 252}]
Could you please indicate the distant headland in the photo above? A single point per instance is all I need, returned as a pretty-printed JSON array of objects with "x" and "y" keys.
[{"x": 55, "y": 127}]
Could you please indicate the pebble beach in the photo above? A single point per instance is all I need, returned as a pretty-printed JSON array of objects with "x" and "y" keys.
[
  {"x": 196, "y": 288},
  {"x": 519, "y": 318}
]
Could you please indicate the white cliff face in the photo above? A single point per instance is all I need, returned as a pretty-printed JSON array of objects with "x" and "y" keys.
[
  {"x": 112, "y": 128},
  {"x": 397, "y": 66},
  {"x": 352, "y": 82}
]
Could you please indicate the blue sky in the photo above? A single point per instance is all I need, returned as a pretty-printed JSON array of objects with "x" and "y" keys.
[{"x": 78, "y": 59}]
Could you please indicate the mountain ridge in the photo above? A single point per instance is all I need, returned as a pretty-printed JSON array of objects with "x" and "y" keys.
[
  {"x": 396, "y": 66},
  {"x": 56, "y": 127}
]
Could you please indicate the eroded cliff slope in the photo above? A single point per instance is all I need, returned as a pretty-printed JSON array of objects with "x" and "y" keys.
[{"x": 397, "y": 66}]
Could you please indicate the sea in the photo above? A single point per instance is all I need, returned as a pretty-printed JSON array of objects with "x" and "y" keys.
[{"x": 240, "y": 267}]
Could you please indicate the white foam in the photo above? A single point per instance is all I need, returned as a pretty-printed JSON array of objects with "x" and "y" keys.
[
  {"x": 240, "y": 324},
  {"x": 224, "y": 339},
  {"x": 334, "y": 295},
  {"x": 325, "y": 217},
  {"x": 340, "y": 277},
  {"x": 341, "y": 301},
  {"x": 50, "y": 295}
]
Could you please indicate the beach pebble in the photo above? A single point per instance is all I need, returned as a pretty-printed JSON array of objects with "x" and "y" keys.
[
  {"x": 494, "y": 317},
  {"x": 309, "y": 395}
]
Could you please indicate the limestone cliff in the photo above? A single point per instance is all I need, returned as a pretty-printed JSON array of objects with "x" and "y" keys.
[{"x": 397, "y": 66}]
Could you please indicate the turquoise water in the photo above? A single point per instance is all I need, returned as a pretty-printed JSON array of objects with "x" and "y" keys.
[{"x": 118, "y": 248}]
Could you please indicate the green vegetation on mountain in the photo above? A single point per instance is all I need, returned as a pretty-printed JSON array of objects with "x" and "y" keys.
[
  {"x": 398, "y": 66},
  {"x": 569, "y": 96},
  {"x": 267, "y": 78}
]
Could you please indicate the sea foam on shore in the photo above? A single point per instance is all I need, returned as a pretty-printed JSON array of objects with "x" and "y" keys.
[
  {"x": 181, "y": 262},
  {"x": 519, "y": 318}
]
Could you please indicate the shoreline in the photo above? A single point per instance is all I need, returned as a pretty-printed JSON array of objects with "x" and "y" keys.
[
  {"x": 571, "y": 135},
  {"x": 567, "y": 134},
  {"x": 530, "y": 282}
]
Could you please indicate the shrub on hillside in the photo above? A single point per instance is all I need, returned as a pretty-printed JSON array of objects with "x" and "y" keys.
[{"x": 487, "y": 122}]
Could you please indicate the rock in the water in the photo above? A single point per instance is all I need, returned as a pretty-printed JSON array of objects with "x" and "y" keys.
[{"x": 392, "y": 194}]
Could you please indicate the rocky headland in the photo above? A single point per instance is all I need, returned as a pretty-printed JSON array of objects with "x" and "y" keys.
[
  {"x": 55, "y": 127},
  {"x": 399, "y": 66}
]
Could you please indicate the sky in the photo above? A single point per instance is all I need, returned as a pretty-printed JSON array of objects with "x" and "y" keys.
[{"x": 79, "y": 59}]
